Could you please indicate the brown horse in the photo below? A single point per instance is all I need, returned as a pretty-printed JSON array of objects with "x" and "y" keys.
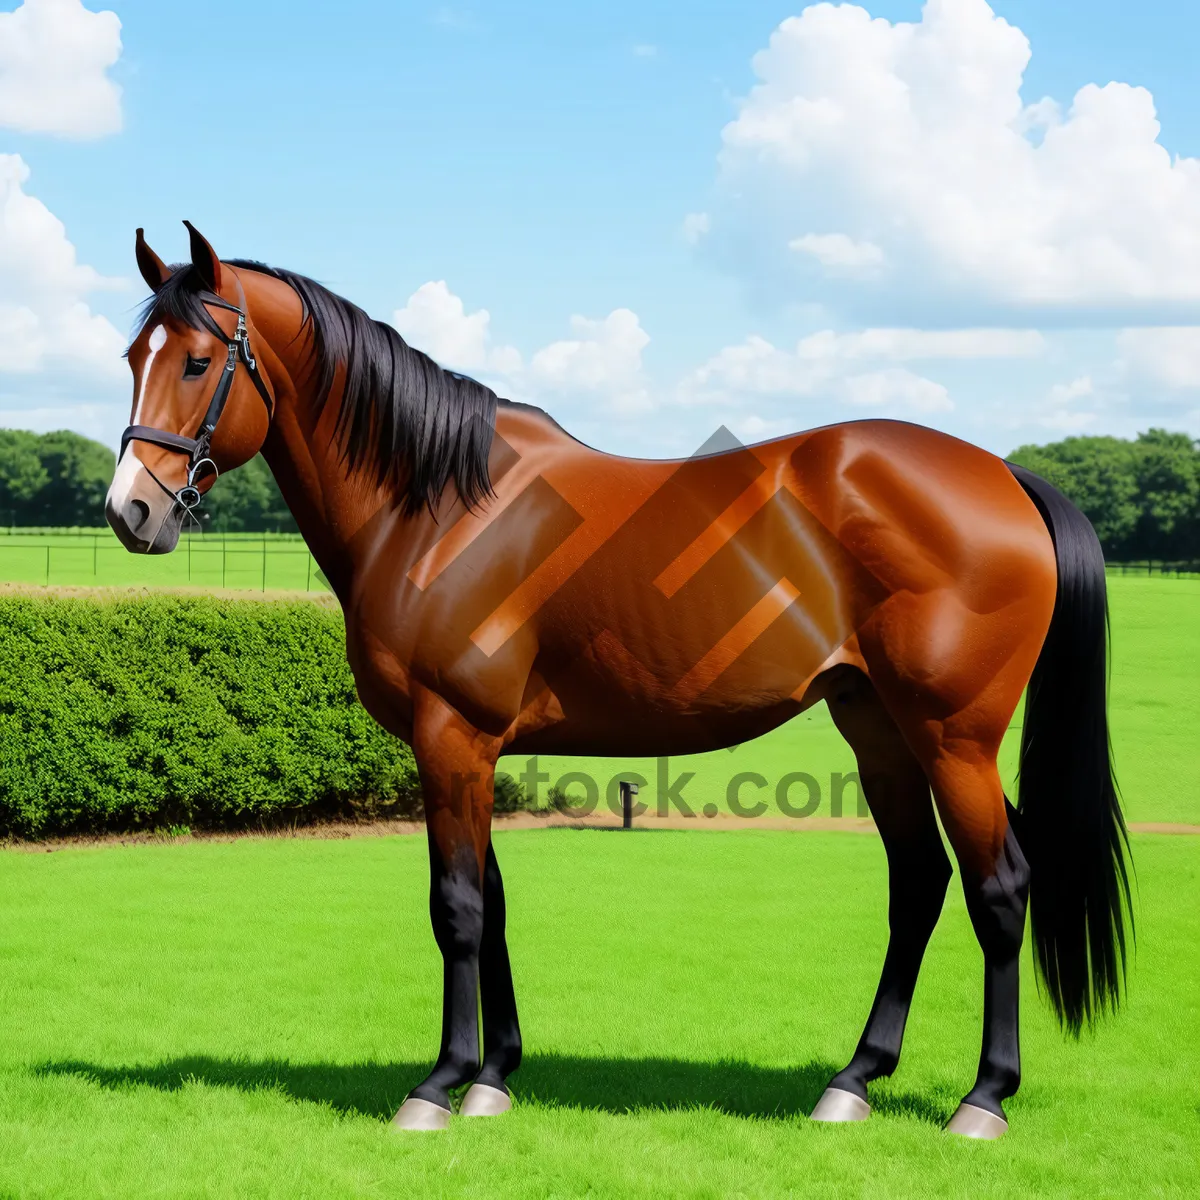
[{"x": 508, "y": 589}]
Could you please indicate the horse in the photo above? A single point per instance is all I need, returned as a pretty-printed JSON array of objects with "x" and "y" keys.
[{"x": 508, "y": 589}]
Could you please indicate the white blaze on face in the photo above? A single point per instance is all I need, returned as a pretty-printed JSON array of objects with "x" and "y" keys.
[
  {"x": 158, "y": 339},
  {"x": 130, "y": 466}
]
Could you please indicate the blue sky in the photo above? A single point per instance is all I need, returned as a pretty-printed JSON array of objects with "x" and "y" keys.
[{"x": 618, "y": 212}]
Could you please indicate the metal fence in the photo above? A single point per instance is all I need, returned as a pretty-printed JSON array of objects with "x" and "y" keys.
[
  {"x": 258, "y": 562},
  {"x": 1155, "y": 567},
  {"x": 255, "y": 562}
]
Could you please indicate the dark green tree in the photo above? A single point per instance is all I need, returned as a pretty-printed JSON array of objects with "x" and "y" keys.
[
  {"x": 22, "y": 475},
  {"x": 1100, "y": 475},
  {"x": 78, "y": 472},
  {"x": 247, "y": 500},
  {"x": 1167, "y": 468}
]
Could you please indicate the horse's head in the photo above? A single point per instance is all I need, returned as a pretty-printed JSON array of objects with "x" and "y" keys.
[{"x": 201, "y": 405}]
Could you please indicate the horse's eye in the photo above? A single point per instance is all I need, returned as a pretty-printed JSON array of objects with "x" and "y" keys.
[{"x": 195, "y": 367}]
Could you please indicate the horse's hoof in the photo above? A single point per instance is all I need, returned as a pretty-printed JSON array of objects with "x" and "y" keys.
[
  {"x": 483, "y": 1100},
  {"x": 971, "y": 1121},
  {"x": 837, "y": 1105},
  {"x": 418, "y": 1114}
]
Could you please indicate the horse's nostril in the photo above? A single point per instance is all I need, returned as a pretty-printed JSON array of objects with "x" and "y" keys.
[{"x": 137, "y": 511}]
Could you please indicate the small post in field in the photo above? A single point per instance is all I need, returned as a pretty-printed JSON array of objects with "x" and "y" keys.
[{"x": 628, "y": 791}]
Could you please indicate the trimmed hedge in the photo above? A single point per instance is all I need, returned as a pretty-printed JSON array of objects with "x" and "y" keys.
[{"x": 142, "y": 712}]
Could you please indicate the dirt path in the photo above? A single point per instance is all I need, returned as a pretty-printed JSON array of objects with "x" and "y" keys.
[{"x": 649, "y": 821}]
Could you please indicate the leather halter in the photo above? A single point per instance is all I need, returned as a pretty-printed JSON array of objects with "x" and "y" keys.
[{"x": 197, "y": 448}]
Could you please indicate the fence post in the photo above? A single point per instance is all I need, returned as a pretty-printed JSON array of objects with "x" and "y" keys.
[
  {"x": 95, "y": 555},
  {"x": 47, "y": 564},
  {"x": 308, "y": 580},
  {"x": 264, "y": 581},
  {"x": 223, "y": 561},
  {"x": 628, "y": 791}
]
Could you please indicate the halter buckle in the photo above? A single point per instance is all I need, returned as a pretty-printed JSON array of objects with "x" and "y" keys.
[{"x": 243, "y": 340}]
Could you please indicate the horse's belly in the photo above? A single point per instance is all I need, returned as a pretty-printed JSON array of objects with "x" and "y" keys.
[{"x": 647, "y": 733}]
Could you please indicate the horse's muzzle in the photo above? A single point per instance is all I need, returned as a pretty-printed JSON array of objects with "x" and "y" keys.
[{"x": 140, "y": 529}]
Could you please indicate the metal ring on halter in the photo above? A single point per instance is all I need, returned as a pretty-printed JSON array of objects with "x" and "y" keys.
[{"x": 189, "y": 496}]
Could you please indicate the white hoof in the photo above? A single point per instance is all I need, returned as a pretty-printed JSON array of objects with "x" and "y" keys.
[
  {"x": 838, "y": 1105},
  {"x": 484, "y": 1101},
  {"x": 419, "y": 1114},
  {"x": 974, "y": 1122}
]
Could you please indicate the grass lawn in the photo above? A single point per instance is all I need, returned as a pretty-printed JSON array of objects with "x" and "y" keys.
[{"x": 240, "y": 1019}]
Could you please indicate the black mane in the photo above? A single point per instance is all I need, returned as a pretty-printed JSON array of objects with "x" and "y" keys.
[{"x": 416, "y": 425}]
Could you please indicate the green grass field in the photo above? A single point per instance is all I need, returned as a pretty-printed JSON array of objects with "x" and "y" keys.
[{"x": 241, "y": 1019}]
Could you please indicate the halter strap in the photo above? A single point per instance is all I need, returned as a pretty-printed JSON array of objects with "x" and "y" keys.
[{"x": 197, "y": 448}]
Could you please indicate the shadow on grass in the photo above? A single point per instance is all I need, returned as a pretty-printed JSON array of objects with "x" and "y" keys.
[{"x": 613, "y": 1085}]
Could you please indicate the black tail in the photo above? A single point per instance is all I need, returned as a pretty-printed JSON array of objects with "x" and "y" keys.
[{"x": 1070, "y": 825}]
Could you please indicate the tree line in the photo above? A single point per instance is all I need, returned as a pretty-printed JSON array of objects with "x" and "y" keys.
[
  {"x": 1143, "y": 496},
  {"x": 60, "y": 480}
]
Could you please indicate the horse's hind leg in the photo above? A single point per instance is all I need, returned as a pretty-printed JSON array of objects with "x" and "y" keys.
[
  {"x": 897, "y": 791},
  {"x": 954, "y": 720},
  {"x": 977, "y": 818}
]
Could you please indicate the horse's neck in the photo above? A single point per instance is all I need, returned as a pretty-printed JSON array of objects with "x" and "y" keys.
[
  {"x": 330, "y": 504},
  {"x": 344, "y": 516}
]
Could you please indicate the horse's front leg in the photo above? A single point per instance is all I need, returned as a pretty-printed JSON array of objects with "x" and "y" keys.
[
  {"x": 457, "y": 766},
  {"x": 497, "y": 1002}
]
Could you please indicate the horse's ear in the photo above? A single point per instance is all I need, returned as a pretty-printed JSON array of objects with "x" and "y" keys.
[
  {"x": 205, "y": 260},
  {"x": 154, "y": 271}
]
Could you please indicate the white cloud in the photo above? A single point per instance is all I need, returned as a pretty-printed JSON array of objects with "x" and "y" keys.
[
  {"x": 695, "y": 226},
  {"x": 820, "y": 367},
  {"x": 897, "y": 388},
  {"x": 836, "y": 251},
  {"x": 906, "y": 148},
  {"x": 603, "y": 360},
  {"x": 45, "y": 321},
  {"x": 435, "y": 320},
  {"x": 1066, "y": 421},
  {"x": 824, "y": 360},
  {"x": 1064, "y": 393},
  {"x": 1168, "y": 356},
  {"x": 54, "y": 59},
  {"x": 906, "y": 344},
  {"x": 645, "y": 50},
  {"x": 754, "y": 366},
  {"x": 604, "y": 355}
]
